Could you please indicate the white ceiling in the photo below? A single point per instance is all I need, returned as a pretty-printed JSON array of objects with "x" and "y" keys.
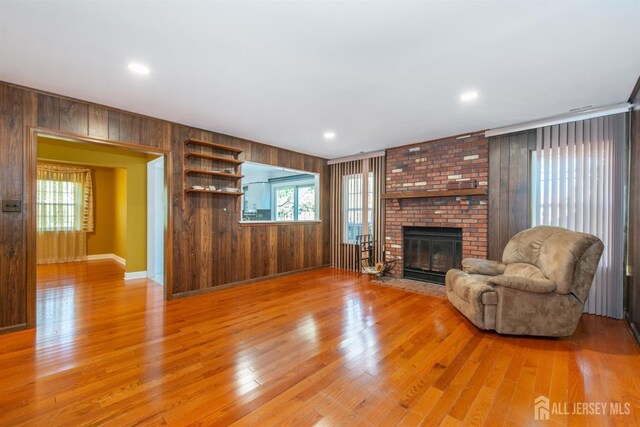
[{"x": 378, "y": 74}]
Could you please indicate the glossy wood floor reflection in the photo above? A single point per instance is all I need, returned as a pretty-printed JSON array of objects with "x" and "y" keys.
[{"x": 322, "y": 347}]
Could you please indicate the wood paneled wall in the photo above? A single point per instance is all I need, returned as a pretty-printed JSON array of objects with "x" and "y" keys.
[
  {"x": 509, "y": 188},
  {"x": 210, "y": 247},
  {"x": 17, "y": 112},
  {"x": 633, "y": 294}
]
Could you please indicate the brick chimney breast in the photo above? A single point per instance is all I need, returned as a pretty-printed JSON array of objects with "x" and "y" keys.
[{"x": 428, "y": 167}]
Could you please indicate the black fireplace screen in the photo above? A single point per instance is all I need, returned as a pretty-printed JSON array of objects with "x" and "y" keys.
[{"x": 429, "y": 252}]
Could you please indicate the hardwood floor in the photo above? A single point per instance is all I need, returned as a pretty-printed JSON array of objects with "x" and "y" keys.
[{"x": 324, "y": 346}]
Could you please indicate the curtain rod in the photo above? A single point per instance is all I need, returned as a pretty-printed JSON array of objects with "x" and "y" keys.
[
  {"x": 563, "y": 118},
  {"x": 361, "y": 156}
]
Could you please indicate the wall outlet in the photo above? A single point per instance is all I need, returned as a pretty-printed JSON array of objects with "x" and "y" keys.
[{"x": 12, "y": 206}]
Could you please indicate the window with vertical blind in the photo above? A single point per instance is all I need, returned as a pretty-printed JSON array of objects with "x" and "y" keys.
[
  {"x": 578, "y": 183},
  {"x": 353, "y": 206},
  {"x": 354, "y": 213}
]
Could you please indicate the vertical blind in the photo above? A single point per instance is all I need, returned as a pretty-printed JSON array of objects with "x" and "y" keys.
[
  {"x": 356, "y": 186},
  {"x": 578, "y": 183}
]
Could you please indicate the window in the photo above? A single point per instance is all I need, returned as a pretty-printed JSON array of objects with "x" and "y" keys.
[
  {"x": 57, "y": 205},
  {"x": 553, "y": 192},
  {"x": 296, "y": 203},
  {"x": 577, "y": 180},
  {"x": 353, "y": 206},
  {"x": 285, "y": 204},
  {"x": 306, "y": 200},
  {"x": 277, "y": 194}
]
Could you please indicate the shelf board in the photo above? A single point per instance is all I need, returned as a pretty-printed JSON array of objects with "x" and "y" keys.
[
  {"x": 202, "y": 143},
  {"x": 437, "y": 193},
  {"x": 216, "y": 158},
  {"x": 229, "y": 193},
  {"x": 214, "y": 173}
]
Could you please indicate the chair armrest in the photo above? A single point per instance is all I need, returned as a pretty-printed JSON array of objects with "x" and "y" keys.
[
  {"x": 482, "y": 266},
  {"x": 538, "y": 286}
]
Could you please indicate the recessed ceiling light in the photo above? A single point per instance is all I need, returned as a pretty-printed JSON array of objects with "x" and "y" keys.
[
  {"x": 469, "y": 96},
  {"x": 138, "y": 68},
  {"x": 329, "y": 135}
]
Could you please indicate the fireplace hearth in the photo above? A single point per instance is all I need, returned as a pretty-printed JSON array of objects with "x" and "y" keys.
[{"x": 429, "y": 252}]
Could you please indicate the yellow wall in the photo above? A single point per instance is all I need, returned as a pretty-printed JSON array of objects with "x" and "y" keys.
[
  {"x": 133, "y": 242},
  {"x": 100, "y": 241},
  {"x": 110, "y": 211},
  {"x": 120, "y": 217}
]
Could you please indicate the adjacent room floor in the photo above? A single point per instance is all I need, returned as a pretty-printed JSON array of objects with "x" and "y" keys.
[{"x": 320, "y": 346}]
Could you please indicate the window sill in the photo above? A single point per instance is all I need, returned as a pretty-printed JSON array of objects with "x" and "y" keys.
[{"x": 267, "y": 223}]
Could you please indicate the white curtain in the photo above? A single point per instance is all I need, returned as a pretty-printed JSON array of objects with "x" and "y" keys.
[
  {"x": 578, "y": 183},
  {"x": 64, "y": 212}
]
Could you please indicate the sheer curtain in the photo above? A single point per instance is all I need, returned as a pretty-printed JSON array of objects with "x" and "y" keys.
[
  {"x": 64, "y": 212},
  {"x": 578, "y": 183}
]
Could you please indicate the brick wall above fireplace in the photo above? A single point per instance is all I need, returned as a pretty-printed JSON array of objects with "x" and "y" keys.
[{"x": 428, "y": 166}]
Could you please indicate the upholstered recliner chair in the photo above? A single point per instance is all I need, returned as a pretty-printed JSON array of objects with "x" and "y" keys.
[{"x": 539, "y": 288}]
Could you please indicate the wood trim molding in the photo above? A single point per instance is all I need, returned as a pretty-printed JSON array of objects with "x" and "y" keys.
[
  {"x": 168, "y": 228},
  {"x": 482, "y": 191},
  {"x": 74, "y": 137},
  {"x": 29, "y": 214},
  {"x": 14, "y": 328}
]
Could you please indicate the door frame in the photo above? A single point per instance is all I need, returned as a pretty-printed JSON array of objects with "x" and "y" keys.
[
  {"x": 155, "y": 184},
  {"x": 30, "y": 199}
]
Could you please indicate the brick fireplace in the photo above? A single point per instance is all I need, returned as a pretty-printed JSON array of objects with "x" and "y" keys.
[{"x": 427, "y": 167}]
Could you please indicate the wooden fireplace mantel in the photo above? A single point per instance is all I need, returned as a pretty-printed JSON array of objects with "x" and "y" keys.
[{"x": 437, "y": 193}]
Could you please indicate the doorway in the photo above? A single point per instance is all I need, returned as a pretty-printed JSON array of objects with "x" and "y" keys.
[{"x": 144, "y": 256}]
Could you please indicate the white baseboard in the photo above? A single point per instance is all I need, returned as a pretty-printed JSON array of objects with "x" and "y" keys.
[
  {"x": 135, "y": 275},
  {"x": 98, "y": 257},
  {"x": 106, "y": 256}
]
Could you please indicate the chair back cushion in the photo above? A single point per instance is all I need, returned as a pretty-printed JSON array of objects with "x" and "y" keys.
[{"x": 558, "y": 253}]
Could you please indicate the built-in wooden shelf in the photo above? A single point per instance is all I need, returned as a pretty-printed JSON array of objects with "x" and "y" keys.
[
  {"x": 216, "y": 158},
  {"x": 228, "y": 193},
  {"x": 214, "y": 173},
  {"x": 213, "y": 145},
  {"x": 436, "y": 193},
  {"x": 204, "y": 173}
]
